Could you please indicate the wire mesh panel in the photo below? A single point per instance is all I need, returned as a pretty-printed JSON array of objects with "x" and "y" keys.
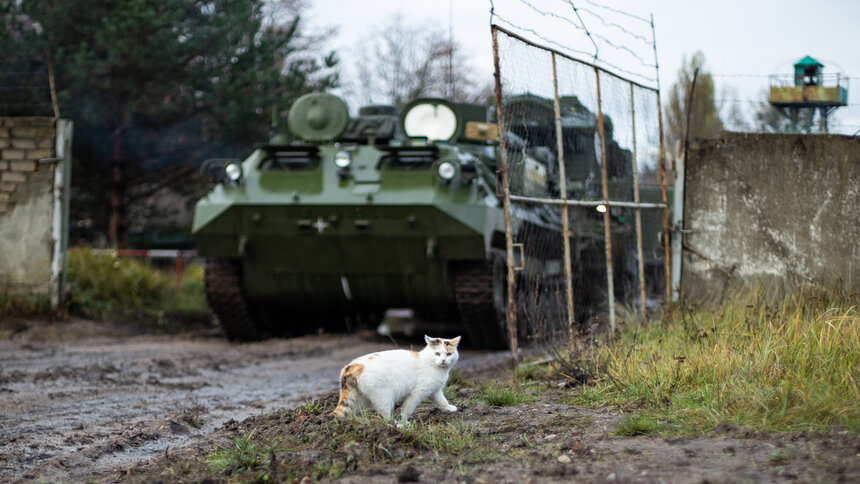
[
  {"x": 25, "y": 86},
  {"x": 646, "y": 107},
  {"x": 579, "y": 142}
]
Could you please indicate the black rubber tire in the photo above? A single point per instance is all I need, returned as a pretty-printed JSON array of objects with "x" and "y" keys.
[
  {"x": 480, "y": 289},
  {"x": 223, "y": 284}
]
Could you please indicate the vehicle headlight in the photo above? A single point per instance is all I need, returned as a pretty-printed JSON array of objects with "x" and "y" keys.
[
  {"x": 342, "y": 159},
  {"x": 233, "y": 172},
  {"x": 446, "y": 170}
]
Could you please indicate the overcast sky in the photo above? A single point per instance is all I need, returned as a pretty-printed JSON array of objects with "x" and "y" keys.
[{"x": 743, "y": 40}]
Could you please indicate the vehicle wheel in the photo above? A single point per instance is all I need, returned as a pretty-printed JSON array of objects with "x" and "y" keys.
[
  {"x": 480, "y": 291},
  {"x": 223, "y": 286}
]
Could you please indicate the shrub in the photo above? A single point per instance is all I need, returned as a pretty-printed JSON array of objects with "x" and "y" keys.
[{"x": 101, "y": 285}]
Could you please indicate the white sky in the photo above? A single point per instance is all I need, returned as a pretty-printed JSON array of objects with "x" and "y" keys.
[{"x": 737, "y": 37}]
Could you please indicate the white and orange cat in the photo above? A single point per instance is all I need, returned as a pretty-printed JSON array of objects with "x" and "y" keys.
[{"x": 383, "y": 379}]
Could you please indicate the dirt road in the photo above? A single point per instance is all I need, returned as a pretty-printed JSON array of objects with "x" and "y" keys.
[
  {"x": 78, "y": 399},
  {"x": 87, "y": 402}
]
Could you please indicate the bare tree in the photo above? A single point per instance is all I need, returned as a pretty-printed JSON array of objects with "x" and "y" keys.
[
  {"x": 767, "y": 119},
  {"x": 731, "y": 112},
  {"x": 401, "y": 62},
  {"x": 704, "y": 115}
]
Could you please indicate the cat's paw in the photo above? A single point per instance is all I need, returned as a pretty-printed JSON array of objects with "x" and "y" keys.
[
  {"x": 451, "y": 408},
  {"x": 402, "y": 424}
]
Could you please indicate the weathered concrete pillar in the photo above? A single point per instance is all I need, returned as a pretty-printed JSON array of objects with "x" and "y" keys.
[{"x": 35, "y": 161}]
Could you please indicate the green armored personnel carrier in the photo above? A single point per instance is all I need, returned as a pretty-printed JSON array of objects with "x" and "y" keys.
[{"x": 355, "y": 216}]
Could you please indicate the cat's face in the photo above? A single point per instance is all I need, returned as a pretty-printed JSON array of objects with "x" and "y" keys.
[{"x": 444, "y": 351}]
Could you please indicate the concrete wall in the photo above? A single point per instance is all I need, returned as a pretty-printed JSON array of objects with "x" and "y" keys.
[
  {"x": 34, "y": 165},
  {"x": 773, "y": 211}
]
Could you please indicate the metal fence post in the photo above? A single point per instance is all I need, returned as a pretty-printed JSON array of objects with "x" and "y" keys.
[
  {"x": 610, "y": 283},
  {"x": 60, "y": 219},
  {"x": 638, "y": 211},
  {"x": 506, "y": 204},
  {"x": 565, "y": 220},
  {"x": 678, "y": 224}
]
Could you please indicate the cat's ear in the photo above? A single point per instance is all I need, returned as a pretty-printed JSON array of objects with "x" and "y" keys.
[
  {"x": 455, "y": 341},
  {"x": 428, "y": 340}
]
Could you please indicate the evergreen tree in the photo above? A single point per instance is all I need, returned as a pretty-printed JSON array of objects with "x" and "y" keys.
[{"x": 156, "y": 86}]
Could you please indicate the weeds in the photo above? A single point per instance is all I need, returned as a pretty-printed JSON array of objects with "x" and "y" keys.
[
  {"x": 498, "y": 396},
  {"x": 531, "y": 371},
  {"x": 310, "y": 406},
  {"x": 448, "y": 438},
  {"x": 749, "y": 362},
  {"x": 779, "y": 457},
  {"x": 102, "y": 285},
  {"x": 635, "y": 425},
  {"x": 243, "y": 457},
  {"x": 22, "y": 305},
  {"x": 456, "y": 379}
]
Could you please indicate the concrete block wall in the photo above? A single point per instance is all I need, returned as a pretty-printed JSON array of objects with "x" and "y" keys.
[
  {"x": 23, "y": 142},
  {"x": 771, "y": 211}
]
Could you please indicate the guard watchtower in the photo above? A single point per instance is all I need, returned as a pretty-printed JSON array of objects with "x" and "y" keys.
[{"x": 808, "y": 89}]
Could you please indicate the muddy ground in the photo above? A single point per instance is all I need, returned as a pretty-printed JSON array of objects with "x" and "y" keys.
[{"x": 81, "y": 401}]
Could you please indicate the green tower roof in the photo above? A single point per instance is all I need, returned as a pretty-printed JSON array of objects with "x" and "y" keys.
[{"x": 808, "y": 61}]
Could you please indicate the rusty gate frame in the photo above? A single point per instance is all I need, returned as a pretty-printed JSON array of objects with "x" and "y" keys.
[{"x": 564, "y": 202}]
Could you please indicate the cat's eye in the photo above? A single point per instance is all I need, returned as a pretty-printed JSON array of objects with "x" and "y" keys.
[
  {"x": 449, "y": 354},
  {"x": 437, "y": 353}
]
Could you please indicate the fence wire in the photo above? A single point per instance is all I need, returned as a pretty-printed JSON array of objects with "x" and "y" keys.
[
  {"x": 25, "y": 86},
  {"x": 582, "y": 154}
]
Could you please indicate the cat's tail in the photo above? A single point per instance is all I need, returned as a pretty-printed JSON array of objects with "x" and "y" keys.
[{"x": 348, "y": 389}]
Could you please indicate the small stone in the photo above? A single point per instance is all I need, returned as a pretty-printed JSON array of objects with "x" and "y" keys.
[
  {"x": 178, "y": 428},
  {"x": 610, "y": 477},
  {"x": 564, "y": 459},
  {"x": 550, "y": 437}
]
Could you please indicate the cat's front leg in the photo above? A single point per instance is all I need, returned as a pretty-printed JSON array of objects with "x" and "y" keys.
[
  {"x": 442, "y": 402},
  {"x": 408, "y": 406}
]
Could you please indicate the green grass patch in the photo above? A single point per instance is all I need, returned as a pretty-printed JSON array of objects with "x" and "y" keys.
[
  {"x": 779, "y": 457},
  {"x": 446, "y": 438},
  {"x": 455, "y": 378},
  {"x": 635, "y": 425},
  {"x": 243, "y": 457},
  {"x": 504, "y": 396},
  {"x": 104, "y": 285},
  {"x": 23, "y": 305},
  {"x": 532, "y": 372},
  {"x": 310, "y": 407},
  {"x": 767, "y": 366}
]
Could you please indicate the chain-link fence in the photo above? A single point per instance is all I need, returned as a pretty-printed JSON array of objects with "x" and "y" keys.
[{"x": 581, "y": 156}]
